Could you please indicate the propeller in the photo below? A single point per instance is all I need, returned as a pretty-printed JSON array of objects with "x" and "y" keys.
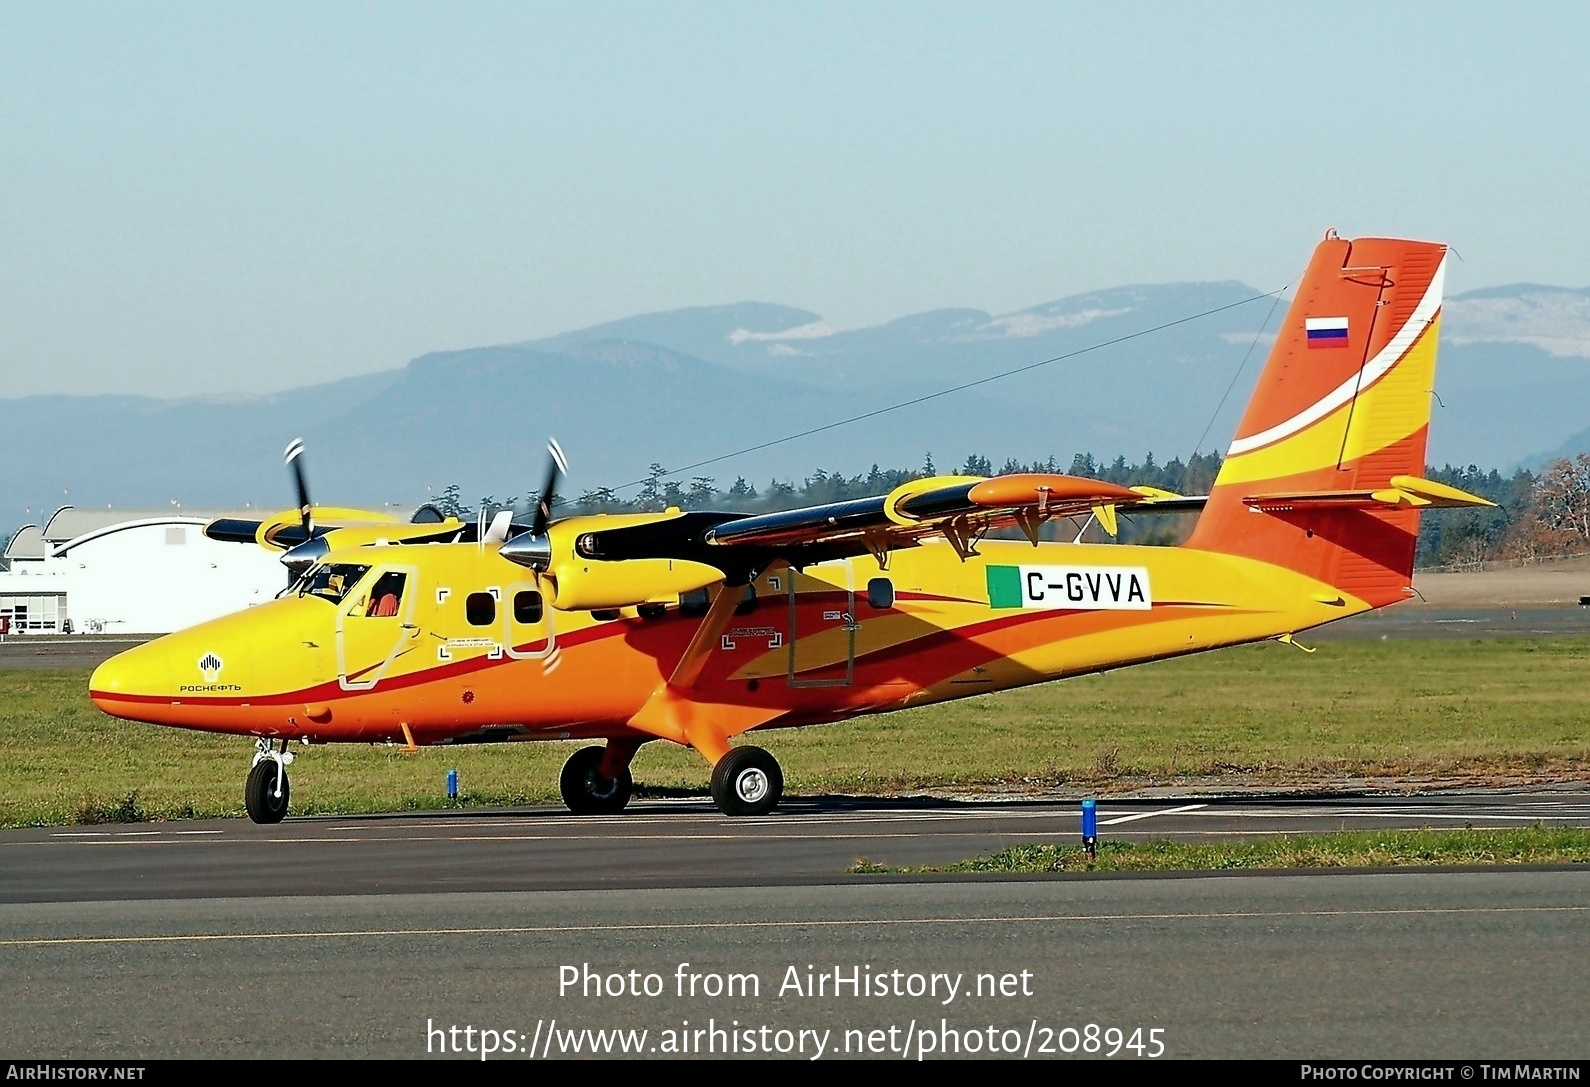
[
  {"x": 306, "y": 511},
  {"x": 314, "y": 548},
  {"x": 557, "y": 465},
  {"x": 534, "y": 548}
]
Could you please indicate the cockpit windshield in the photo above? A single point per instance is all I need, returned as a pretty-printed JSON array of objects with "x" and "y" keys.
[{"x": 331, "y": 581}]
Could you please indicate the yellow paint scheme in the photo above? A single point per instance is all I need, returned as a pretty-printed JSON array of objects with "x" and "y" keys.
[
  {"x": 1399, "y": 403},
  {"x": 1415, "y": 490},
  {"x": 303, "y": 667},
  {"x": 375, "y": 535},
  {"x": 915, "y": 487},
  {"x": 348, "y": 524},
  {"x": 584, "y": 584}
]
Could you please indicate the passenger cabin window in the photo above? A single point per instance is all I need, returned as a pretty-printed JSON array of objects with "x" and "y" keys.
[
  {"x": 331, "y": 581},
  {"x": 527, "y": 607},
  {"x": 880, "y": 594},
  {"x": 694, "y": 602},
  {"x": 480, "y": 609},
  {"x": 747, "y": 602},
  {"x": 386, "y": 598}
]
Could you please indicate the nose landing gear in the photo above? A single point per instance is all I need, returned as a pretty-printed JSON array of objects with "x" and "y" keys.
[{"x": 267, "y": 790}]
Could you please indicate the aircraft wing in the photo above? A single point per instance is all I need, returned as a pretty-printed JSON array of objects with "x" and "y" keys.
[
  {"x": 285, "y": 531},
  {"x": 961, "y": 509}
]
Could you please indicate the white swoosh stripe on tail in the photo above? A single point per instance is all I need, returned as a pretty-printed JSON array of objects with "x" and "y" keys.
[{"x": 1372, "y": 371}]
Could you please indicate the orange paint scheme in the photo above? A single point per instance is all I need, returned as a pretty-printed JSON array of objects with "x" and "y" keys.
[{"x": 473, "y": 651}]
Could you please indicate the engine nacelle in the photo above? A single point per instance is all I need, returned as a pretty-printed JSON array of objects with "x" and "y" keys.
[{"x": 580, "y": 584}]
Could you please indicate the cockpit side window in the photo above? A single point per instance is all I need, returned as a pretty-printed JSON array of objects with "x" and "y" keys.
[
  {"x": 386, "y": 596},
  {"x": 332, "y": 581}
]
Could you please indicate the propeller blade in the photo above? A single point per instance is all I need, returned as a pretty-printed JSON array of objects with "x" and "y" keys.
[
  {"x": 557, "y": 465},
  {"x": 295, "y": 452}
]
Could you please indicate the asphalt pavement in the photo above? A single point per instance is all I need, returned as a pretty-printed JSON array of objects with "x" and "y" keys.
[
  {"x": 663, "y": 844},
  {"x": 1438, "y": 965},
  {"x": 1424, "y": 622}
]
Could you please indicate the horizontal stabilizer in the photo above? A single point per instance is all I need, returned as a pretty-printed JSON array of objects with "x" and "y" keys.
[{"x": 1404, "y": 493}]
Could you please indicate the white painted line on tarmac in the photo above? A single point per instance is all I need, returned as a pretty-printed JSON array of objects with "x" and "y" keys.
[
  {"x": 584, "y": 839},
  {"x": 844, "y": 922},
  {"x": 1118, "y": 820},
  {"x": 650, "y": 814},
  {"x": 1317, "y": 816}
]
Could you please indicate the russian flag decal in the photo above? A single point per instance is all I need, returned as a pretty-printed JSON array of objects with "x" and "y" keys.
[{"x": 1326, "y": 331}]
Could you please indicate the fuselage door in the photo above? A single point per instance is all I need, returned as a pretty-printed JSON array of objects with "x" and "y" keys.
[
  {"x": 375, "y": 625},
  {"x": 822, "y": 627}
]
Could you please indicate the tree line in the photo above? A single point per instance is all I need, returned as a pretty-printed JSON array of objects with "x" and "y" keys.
[{"x": 1538, "y": 515}]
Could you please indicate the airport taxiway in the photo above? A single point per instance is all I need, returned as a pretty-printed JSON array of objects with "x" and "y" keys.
[{"x": 663, "y": 844}]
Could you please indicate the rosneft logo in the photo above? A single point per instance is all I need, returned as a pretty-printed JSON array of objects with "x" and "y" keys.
[{"x": 210, "y": 667}]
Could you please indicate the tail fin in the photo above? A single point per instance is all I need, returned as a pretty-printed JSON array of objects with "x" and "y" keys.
[{"x": 1342, "y": 408}]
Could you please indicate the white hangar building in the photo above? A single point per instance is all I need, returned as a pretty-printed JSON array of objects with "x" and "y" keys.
[{"x": 130, "y": 572}]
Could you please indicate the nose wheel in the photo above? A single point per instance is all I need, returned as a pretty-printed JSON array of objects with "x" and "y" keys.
[
  {"x": 266, "y": 792},
  {"x": 747, "y": 781}
]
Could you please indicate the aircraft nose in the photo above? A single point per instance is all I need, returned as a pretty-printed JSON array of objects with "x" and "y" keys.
[{"x": 130, "y": 677}]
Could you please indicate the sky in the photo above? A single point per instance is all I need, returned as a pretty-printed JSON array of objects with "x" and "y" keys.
[{"x": 242, "y": 198}]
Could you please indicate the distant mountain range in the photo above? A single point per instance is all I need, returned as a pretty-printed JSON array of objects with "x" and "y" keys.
[{"x": 688, "y": 385}]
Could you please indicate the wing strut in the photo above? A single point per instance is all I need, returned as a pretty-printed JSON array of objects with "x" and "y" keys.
[
  {"x": 673, "y": 714},
  {"x": 705, "y": 640}
]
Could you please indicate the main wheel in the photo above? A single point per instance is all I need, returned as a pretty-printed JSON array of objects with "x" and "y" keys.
[
  {"x": 747, "y": 781},
  {"x": 586, "y": 791},
  {"x": 259, "y": 795}
]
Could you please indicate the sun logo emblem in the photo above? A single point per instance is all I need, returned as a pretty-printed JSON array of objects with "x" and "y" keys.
[{"x": 210, "y": 666}]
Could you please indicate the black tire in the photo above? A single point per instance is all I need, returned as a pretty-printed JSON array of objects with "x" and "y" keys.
[
  {"x": 259, "y": 795},
  {"x": 747, "y": 781},
  {"x": 586, "y": 791}
]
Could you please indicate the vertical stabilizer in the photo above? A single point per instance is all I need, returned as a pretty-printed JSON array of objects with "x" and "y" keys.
[{"x": 1343, "y": 405}]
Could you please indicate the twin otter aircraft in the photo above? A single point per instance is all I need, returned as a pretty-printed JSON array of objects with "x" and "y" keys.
[{"x": 696, "y": 628}]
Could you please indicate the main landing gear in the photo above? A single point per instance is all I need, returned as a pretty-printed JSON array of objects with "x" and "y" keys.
[
  {"x": 266, "y": 793},
  {"x": 591, "y": 788},
  {"x": 747, "y": 781},
  {"x": 596, "y": 781}
]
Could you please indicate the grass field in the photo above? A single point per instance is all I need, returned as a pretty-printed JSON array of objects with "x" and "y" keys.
[
  {"x": 1343, "y": 849},
  {"x": 1442, "y": 711}
]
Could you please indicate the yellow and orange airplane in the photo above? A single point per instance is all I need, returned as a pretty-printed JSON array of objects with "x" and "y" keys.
[{"x": 696, "y": 628}]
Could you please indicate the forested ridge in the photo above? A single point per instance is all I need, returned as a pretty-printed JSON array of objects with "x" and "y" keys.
[{"x": 1537, "y": 515}]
